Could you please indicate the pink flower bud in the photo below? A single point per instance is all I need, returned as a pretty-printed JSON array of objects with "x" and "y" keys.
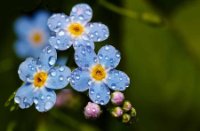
[
  {"x": 117, "y": 112},
  {"x": 92, "y": 110},
  {"x": 117, "y": 98}
]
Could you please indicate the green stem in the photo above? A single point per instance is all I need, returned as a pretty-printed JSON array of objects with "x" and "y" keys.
[{"x": 146, "y": 17}]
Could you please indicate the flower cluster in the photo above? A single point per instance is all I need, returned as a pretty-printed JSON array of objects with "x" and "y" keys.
[{"x": 40, "y": 74}]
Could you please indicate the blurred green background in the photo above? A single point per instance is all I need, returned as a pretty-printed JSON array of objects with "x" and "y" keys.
[{"x": 162, "y": 60}]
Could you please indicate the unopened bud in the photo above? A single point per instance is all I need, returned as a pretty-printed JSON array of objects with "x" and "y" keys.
[
  {"x": 127, "y": 106},
  {"x": 92, "y": 110},
  {"x": 117, "y": 112},
  {"x": 133, "y": 112},
  {"x": 126, "y": 118},
  {"x": 117, "y": 98}
]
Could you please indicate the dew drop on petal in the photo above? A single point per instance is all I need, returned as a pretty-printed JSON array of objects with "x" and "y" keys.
[
  {"x": 52, "y": 60},
  {"x": 113, "y": 85},
  {"x": 48, "y": 105},
  {"x": 17, "y": 99},
  {"x": 61, "y": 69},
  {"x": 61, "y": 78},
  {"x": 92, "y": 91}
]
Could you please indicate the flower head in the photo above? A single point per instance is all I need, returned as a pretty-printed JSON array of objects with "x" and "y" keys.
[
  {"x": 75, "y": 29},
  {"x": 97, "y": 73},
  {"x": 32, "y": 34},
  {"x": 92, "y": 110},
  {"x": 41, "y": 78}
]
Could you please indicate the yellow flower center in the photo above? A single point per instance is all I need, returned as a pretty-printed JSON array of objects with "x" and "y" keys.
[
  {"x": 98, "y": 72},
  {"x": 37, "y": 38},
  {"x": 76, "y": 29},
  {"x": 40, "y": 79}
]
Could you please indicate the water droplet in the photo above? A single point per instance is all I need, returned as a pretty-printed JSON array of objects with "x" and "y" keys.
[
  {"x": 58, "y": 41},
  {"x": 127, "y": 85},
  {"x": 68, "y": 78},
  {"x": 99, "y": 39},
  {"x": 95, "y": 59},
  {"x": 77, "y": 77},
  {"x": 98, "y": 96},
  {"x": 53, "y": 73},
  {"x": 81, "y": 17},
  {"x": 100, "y": 56},
  {"x": 72, "y": 81},
  {"x": 92, "y": 91},
  {"x": 37, "y": 107},
  {"x": 106, "y": 57},
  {"x": 42, "y": 97},
  {"x": 19, "y": 71},
  {"x": 76, "y": 57},
  {"x": 107, "y": 47},
  {"x": 25, "y": 100},
  {"x": 113, "y": 85},
  {"x": 83, "y": 52},
  {"x": 102, "y": 102},
  {"x": 35, "y": 100},
  {"x": 61, "y": 78},
  {"x": 48, "y": 97},
  {"x": 91, "y": 36},
  {"x": 88, "y": 12},
  {"x": 17, "y": 99},
  {"x": 90, "y": 82},
  {"x": 52, "y": 60},
  {"x": 61, "y": 68},
  {"x": 61, "y": 33},
  {"x": 117, "y": 54},
  {"x": 48, "y": 105},
  {"x": 59, "y": 23}
]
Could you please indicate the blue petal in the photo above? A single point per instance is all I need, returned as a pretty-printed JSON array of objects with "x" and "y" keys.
[
  {"x": 61, "y": 41},
  {"x": 99, "y": 93},
  {"x": 97, "y": 32},
  {"x": 40, "y": 19},
  {"x": 58, "y": 77},
  {"x": 24, "y": 96},
  {"x": 22, "y": 26},
  {"x": 27, "y": 69},
  {"x": 85, "y": 56},
  {"x": 80, "y": 79},
  {"x": 117, "y": 80},
  {"x": 57, "y": 22},
  {"x": 81, "y": 13},
  {"x": 22, "y": 49},
  {"x": 80, "y": 42},
  {"x": 109, "y": 56},
  {"x": 48, "y": 57},
  {"x": 44, "y": 99}
]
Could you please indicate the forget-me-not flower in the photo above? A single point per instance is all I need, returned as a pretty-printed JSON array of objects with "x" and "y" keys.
[
  {"x": 97, "y": 73},
  {"x": 32, "y": 34},
  {"x": 41, "y": 78},
  {"x": 75, "y": 29}
]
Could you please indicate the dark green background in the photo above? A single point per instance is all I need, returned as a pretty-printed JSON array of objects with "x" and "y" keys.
[{"x": 162, "y": 61}]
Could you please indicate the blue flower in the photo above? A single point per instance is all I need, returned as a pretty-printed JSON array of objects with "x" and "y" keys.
[
  {"x": 97, "y": 73},
  {"x": 32, "y": 34},
  {"x": 41, "y": 78},
  {"x": 76, "y": 29}
]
